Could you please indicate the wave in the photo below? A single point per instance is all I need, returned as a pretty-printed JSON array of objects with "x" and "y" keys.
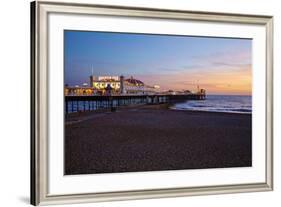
[{"x": 226, "y": 104}]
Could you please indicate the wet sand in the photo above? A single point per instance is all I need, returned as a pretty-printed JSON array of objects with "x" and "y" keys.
[{"x": 154, "y": 138}]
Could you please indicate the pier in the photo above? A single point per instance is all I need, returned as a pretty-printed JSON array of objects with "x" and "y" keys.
[{"x": 91, "y": 103}]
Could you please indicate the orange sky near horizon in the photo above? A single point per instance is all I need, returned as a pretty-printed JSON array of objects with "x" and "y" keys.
[{"x": 214, "y": 81}]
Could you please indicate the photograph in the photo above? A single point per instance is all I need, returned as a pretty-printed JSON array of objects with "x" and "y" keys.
[
  {"x": 137, "y": 102},
  {"x": 132, "y": 102}
]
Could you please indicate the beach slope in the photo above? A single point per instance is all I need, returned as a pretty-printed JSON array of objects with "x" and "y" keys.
[{"x": 150, "y": 139}]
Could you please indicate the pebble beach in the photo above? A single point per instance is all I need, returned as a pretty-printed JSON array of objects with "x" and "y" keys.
[{"x": 155, "y": 138}]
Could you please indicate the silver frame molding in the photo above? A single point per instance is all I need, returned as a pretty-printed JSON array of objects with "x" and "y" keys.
[{"x": 39, "y": 100}]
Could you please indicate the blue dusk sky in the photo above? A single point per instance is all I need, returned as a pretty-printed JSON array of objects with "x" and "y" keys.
[{"x": 220, "y": 65}]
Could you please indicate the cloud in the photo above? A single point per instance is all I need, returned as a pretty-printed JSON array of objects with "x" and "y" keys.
[{"x": 229, "y": 64}]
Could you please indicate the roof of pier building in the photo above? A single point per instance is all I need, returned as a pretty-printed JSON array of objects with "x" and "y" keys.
[{"x": 134, "y": 81}]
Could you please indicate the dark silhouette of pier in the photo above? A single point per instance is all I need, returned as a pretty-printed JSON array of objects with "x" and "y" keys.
[{"x": 91, "y": 103}]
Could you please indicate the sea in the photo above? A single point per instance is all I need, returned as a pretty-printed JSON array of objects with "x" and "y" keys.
[{"x": 218, "y": 103}]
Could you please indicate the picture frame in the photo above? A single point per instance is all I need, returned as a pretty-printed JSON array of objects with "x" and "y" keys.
[{"x": 40, "y": 103}]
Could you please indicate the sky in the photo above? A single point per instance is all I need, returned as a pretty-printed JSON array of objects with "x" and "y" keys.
[{"x": 219, "y": 65}]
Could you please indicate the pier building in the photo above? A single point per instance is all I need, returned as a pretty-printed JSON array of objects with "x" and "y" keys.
[{"x": 118, "y": 85}]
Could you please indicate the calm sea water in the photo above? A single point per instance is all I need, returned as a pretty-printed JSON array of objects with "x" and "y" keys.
[{"x": 219, "y": 103}]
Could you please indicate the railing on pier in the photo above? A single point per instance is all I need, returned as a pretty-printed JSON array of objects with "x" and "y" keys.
[{"x": 91, "y": 103}]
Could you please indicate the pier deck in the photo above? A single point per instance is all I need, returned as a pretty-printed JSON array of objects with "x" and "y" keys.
[{"x": 90, "y": 103}]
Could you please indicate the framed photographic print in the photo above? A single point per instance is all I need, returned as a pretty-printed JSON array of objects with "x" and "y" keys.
[{"x": 133, "y": 103}]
